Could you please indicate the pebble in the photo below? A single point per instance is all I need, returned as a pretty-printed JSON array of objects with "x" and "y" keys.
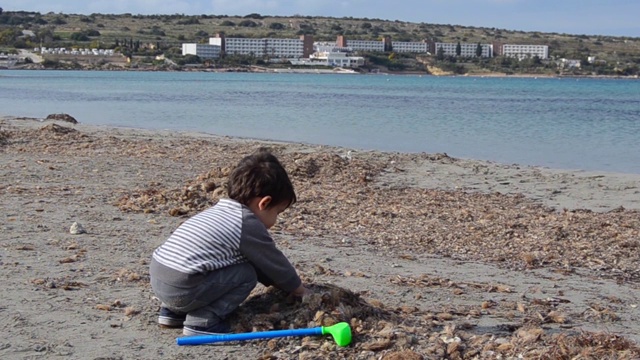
[{"x": 77, "y": 229}]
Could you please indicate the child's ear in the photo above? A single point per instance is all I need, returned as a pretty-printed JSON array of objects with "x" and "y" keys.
[{"x": 264, "y": 202}]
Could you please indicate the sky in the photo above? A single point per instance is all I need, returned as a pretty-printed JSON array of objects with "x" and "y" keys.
[{"x": 578, "y": 17}]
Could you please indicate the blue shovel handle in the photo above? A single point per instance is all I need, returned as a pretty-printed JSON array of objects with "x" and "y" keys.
[{"x": 207, "y": 339}]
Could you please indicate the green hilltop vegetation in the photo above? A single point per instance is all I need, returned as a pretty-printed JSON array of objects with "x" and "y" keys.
[{"x": 143, "y": 37}]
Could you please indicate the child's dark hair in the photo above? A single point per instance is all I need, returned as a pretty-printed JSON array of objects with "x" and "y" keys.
[{"x": 261, "y": 174}]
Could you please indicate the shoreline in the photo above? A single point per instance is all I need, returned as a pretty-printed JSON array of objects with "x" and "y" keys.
[
  {"x": 586, "y": 172},
  {"x": 574, "y": 189},
  {"x": 531, "y": 178},
  {"x": 345, "y": 72}
]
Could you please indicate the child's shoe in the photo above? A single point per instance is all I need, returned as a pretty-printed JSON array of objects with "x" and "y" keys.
[
  {"x": 168, "y": 318},
  {"x": 222, "y": 327}
]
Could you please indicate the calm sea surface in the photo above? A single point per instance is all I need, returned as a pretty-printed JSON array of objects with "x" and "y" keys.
[{"x": 590, "y": 124}]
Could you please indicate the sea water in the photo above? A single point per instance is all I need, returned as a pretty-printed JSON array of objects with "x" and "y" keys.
[{"x": 568, "y": 123}]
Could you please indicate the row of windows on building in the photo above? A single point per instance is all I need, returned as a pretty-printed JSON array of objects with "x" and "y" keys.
[{"x": 299, "y": 48}]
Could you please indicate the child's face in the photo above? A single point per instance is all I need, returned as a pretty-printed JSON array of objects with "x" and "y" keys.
[{"x": 268, "y": 215}]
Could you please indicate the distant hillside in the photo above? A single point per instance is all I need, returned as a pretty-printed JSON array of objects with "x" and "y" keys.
[{"x": 167, "y": 32}]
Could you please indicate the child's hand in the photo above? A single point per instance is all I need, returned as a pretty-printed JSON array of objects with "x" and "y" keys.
[{"x": 301, "y": 292}]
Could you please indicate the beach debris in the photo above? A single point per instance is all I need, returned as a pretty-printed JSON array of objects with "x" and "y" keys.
[
  {"x": 127, "y": 275},
  {"x": 58, "y": 283},
  {"x": 76, "y": 229},
  {"x": 103, "y": 307},
  {"x": 4, "y": 137},
  {"x": 209, "y": 186},
  {"x": 339, "y": 196},
  {"x": 601, "y": 313},
  {"x": 57, "y": 129},
  {"x": 79, "y": 255},
  {"x": 62, "y": 117},
  {"x": 68, "y": 260},
  {"x": 393, "y": 333},
  {"x": 131, "y": 311}
]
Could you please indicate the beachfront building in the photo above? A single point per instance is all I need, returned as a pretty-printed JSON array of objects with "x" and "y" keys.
[
  {"x": 265, "y": 47},
  {"x": 204, "y": 51},
  {"x": 466, "y": 49},
  {"x": 363, "y": 45},
  {"x": 327, "y": 46},
  {"x": 347, "y": 46},
  {"x": 523, "y": 51},
  {"x": 569, "y": 63},
  {"x": 74, "y": 51},
  {"x": 328, "y": 54},
  {"x": 7, "y": 60},
  {"x": 336, "y": 59},
  {"x": 304, "y": 51},
  {"x": 418, "y": 47}
]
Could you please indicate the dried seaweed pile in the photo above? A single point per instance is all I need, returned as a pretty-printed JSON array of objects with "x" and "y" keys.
[
  {"x": 491, "y": 227},
  {"x": 338, "y": 196},
  {"x": 196, "y": 196},
  {"x": 406, "y": 333},
  {"x": 4, "y": 137}
]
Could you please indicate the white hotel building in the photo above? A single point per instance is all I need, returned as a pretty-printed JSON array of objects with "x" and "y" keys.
[
  {"x": 365, "y": 45},
  {"x": 419, "y": 47},
  {"x": 266, "y": 47},
  {"x": 274, "y": 48},
  {"x": 303, "y": 48},
  {"x": 466, "y": 49},
  {"x": 362, "y": 45},
  {"x": 204, "y": 51},
  {"x": 525, "y": 51},
  {"x": 410, "y": 47}
]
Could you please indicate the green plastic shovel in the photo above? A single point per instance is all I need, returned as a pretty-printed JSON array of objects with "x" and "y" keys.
[{"x": 341, "y": 333}]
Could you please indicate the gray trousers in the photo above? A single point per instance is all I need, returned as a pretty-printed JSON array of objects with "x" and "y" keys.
[{"x": 213, "y": 298}]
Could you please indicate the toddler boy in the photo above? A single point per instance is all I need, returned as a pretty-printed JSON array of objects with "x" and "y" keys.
[{"x": 211, "y": 262}]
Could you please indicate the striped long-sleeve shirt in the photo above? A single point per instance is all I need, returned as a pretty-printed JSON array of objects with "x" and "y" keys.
[{"x": 226, "y": 234}]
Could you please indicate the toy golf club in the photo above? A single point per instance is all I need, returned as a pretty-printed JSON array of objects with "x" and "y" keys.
[{"x": 341, "y": 333}]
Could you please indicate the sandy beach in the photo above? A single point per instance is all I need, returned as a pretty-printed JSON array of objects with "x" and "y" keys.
[{"x": 425, "y": 255}]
